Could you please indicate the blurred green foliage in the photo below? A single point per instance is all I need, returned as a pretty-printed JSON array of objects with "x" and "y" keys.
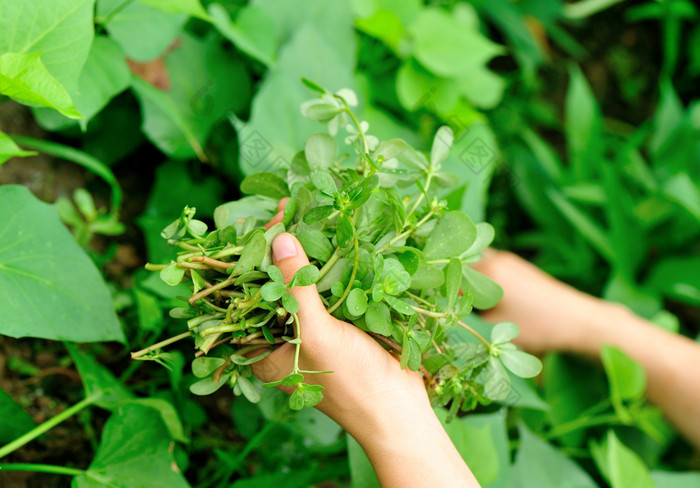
[{"x": 577, "y": 136}]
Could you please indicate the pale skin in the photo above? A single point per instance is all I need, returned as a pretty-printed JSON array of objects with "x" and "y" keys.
[
  {"x": 556, "y": 317},
  {"x": 386, "y": 409}
]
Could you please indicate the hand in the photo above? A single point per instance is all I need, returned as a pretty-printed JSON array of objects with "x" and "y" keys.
[
  {"x": 386, "y": 409},
  {"x": 551, "y": 314}
]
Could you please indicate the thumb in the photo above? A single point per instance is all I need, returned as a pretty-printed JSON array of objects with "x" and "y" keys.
[{"x": 289, "y": 256}]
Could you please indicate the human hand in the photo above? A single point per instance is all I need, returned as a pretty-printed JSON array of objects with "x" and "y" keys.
[
  {"x": 386, "y": 409},
  {"x": 367, "y": 386},
  {"x": 552, "y": 315}
]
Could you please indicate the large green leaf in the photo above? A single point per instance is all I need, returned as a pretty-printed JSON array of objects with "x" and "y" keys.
[
  {"x": 620, "y": 465},
  {"x": 8, "y": 149},
  {"x": 25, "y": 78},
  {"x": 626, "y": 377},
  {"x": 156, "y": 28},
  {"x": 104, "y": 76},
  {"x": 51, "y": 289},
  {"x": 449, "y": 46},
  {"x": 540, "y": 465},
  {"x": 481, "y": 441},
  {"x": 14, "y": 421},
  {"x": 190, "y": 7},
  {"x": 253, "y": 32},
  {"x": 668, "y": 479},
  {"x": 60, "y": 30},
  {"x": 206, "y": 84},
  {"x": 361, "y": 470},
  {"x": 134, "y": 453},
  {"x": 583, "y": 124},
  {"x": 275, "y": 131}
]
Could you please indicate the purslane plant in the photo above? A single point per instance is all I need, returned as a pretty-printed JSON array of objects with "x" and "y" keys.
[{"x": 387, "y": 256}]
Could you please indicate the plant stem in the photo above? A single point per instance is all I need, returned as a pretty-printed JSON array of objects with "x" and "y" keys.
[
  {"x": 158, "y": 345},
  {"x": 208, "y": 291},
  {"x": 355, "y": 265},
  {"x": 212, "y": 262},
  {"x": 428, "y": 313},
  {"x": 360, "y": 132},
  {"x": 406, "y": 233},
  {"x": 581, "y": 423},
  {"x": 45, "y": 427},
  {"x": 475, "y": 334},
  {"x": 41, "y": 468},
  {"x": 297, "y": 348},
  {"x": 428, "y": 179},
  {"x": 329, "y": 264}
]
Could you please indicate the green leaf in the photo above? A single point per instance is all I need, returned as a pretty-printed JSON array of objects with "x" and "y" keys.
[
  {"x": 135, "y": 450},
  {"x": 582, "y": 123},
  {"x": 669, "y": 479},
  {"x": 207, "y": 386},
  {"x": 504, "y": 332},
  {"x": 296, "y": 399},
  {"x": 538, "y": 464},
  {"x": 290, "y": 210},
  {"x": 481, "y": 440},
  {"x": 317, "y": 214},
  {"x": 306, "y": 275},
  {"x": 442, "y": 142},
  {"x": 312, "y": 397},
  {"x": 99, "y": 383},
  {"x": 453, "y": 234},
  {"x": 399, "y": 305},
  {"x": 261, "y": 208},
  {"x": 52, "y": 288},
  {"x": 356, "y": 302},
  {"x": 206, "y": 85},
  {"x": 290, "y": 303},
  {"x": 275, "y": 274},
  {"x": 104, "y": 76},
  {"x": 453, "y": 281},
  {"x": 252, "y": 255},
  {"x": 320, "y": 151},
  {"x": 323, "y": 180},
  {"x": 622, "y": 467},
  {"x": 396, "y": 279},
  {"x": 14, "y": 421},
  {"x": 8, "y": 149},
  {"x": 345, "y": 232},
  {"x": 204, "y": 366},
  {"x": 61, "y": 32},
  {"x": 272, "y": 291},
  {"x": 496, "y": 381},
  {"x": 172, "y": 274},
  {"x": 520, "y": 363},
  {"x": 253, "y": 32},
  {"x": 189, "y": 7},
  {"x": 266, "y": 184},
  {"x": 626, "y": 377},
  {"x": 378, "y": 318},
  {"x": 315, "y": 244},
  {"x": 248, "y": 389},
  {"x": 25, "y": 78},
  {"x": 157, "y": 29},
  {"x": 427, "y": 277},
  {"x": 485, "y": 292}
]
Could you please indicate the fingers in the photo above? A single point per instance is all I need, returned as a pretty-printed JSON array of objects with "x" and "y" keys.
[
  {"x": 280, "y": 213},
  {"x": 289, "y": 256}
]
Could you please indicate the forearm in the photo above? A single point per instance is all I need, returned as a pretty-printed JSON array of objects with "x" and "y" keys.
[
  {"x": 408, "y": 446},
  {"x": 671, "y": 362}
]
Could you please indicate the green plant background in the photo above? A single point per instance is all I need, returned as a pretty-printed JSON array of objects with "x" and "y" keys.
[{"x": 577, "y": 136}]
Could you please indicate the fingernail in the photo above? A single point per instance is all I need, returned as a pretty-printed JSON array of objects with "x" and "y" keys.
[{"x": 283, "y": 247}]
